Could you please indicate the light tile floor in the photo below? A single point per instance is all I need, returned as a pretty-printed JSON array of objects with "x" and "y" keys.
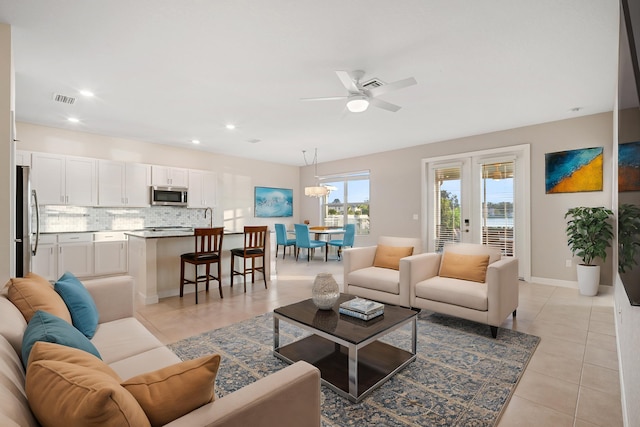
[{"x": 572, "y": 379}]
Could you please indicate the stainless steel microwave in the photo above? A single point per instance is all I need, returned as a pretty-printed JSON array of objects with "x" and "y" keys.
[{"x": 168, "y": 196}]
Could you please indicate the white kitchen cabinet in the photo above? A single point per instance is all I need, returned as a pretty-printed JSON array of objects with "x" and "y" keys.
[
  {"x": 65, "y": 180},
  {"x": 44, "y": 263},
  {"x": 110, "y": 253},
  {"x": 75, "y": 254},
  {"x": 174, "y": 177},
  {"x": 202, "y": 189},
  {"x": 123, "y": 184},
  {"x": 137, "y": 183},
  {"x": 23, "y": 158}
]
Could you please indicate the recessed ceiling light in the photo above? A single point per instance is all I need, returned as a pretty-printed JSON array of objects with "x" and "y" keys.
[
  {"x": 74, "y": 120},
  {"x": 230, "y": 126},
  {"x": 195, "y": 141},
  {"x": 87, "y": 93}
]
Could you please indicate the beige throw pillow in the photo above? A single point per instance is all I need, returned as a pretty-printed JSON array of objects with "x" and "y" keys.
[
  {"x": 32, "y": 293},
  {"x": 171, "y": 392},
  {"x": 464, "y": 267},
  {"x": 389, "y": 256}
]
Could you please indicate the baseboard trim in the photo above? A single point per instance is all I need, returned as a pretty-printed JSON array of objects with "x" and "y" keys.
[{"x": 555, "y": 282}]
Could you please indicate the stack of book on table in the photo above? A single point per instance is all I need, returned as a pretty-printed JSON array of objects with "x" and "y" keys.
[{"x": 361, "y": 308}]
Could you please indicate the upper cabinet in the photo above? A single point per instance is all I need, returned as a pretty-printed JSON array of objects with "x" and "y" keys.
[
  {"x": 65, "y": 180},
  {"x": 123, "y": 184},
  {"x": 202, "y": 189},
  {"x": 174, "y": 177}
]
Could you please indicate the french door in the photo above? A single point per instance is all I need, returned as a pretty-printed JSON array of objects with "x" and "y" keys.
[{"x": 481, "y": 198}]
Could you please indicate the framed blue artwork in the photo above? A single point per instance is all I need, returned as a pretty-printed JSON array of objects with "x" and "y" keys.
[
  {"x": 273, "y": 202},
  {"x": 573, "y": 171},
  {"x": 629, "y": 167}
]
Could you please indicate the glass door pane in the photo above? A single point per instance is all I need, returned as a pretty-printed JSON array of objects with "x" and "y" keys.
[
  {"x": 447, "y": 208},
  {"x": 497, "y": 202}
]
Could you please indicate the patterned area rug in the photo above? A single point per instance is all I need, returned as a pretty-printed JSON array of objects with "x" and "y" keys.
[{"x": 461, "y": 377}]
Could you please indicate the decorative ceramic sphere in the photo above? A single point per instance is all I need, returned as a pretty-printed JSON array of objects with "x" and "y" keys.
[{"x": 325, "y": 291}]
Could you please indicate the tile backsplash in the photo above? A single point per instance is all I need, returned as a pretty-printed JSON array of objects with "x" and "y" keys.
[{"x": 55, "y": 219}]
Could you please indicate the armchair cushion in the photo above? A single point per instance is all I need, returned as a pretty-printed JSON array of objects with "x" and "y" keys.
[
  {"x": 379, "y": 279},
  {"x": 465, "y": 267},
  {"x": 171, "y": 392},
  {"x": 462, "y": 293},
  {"x": 389, "y": 256}
]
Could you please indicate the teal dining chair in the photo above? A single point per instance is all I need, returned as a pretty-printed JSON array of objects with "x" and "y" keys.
[
  {"x": 347, "y": 239},
  {"x": 304, "y": 241},
  {"x": 282, "y": 240}
]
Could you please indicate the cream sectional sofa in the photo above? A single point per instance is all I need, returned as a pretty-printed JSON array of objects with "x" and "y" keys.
[{"x": 290, "y": 397}]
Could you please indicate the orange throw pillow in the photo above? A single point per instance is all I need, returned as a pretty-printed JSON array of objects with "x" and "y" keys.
[
  {"x": 176, "y": 390},
  {"x": 32, "y": 293},
  {"x": 464, "y": 267},
  {"x": 389, "y": 256}
]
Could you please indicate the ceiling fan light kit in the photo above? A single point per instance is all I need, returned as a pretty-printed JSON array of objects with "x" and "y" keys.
[
  {"x": 362, "y": 94},
  {"x": 357, "y": 103}
]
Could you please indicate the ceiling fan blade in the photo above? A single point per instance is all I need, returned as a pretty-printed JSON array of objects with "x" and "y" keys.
[
  {"x": 377, "y": 91},
  {"x": 347, "y": 81},
  {"x": 384, "y": 105},
  {"x": 327, "y": 98}
]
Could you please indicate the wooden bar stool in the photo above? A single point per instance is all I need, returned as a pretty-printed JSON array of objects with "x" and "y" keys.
[
  {"x": 207, "y": 252},
  {"x": 254, "y": 240}
]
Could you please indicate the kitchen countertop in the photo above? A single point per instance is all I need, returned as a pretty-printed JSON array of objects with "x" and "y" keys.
[{"x": 158, "y": 234}]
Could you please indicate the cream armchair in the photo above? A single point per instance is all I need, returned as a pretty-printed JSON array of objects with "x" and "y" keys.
[
  {"x": 385, "y": 284},
  {"x": 487, "y": 301}
]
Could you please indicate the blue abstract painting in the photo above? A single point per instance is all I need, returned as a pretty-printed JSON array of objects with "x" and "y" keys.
[
  {"x": 629, "y": 167},
  {"x": 574, "y": 170},
  {"x": 273, "y": 202}
]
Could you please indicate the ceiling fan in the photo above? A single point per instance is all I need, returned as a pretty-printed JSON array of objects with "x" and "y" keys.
[{"x": 361, "y": 94}]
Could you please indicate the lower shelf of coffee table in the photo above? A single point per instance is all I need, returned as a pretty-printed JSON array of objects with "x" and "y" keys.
[{"x": 376, "y": 362}]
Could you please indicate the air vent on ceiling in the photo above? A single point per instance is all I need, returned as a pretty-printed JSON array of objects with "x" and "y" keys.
[
  {"x": 64, "y": 99},
  {"x": 373, "y": 83}
]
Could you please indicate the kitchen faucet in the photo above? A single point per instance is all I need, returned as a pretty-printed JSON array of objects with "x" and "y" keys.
[{"x": 211, "y": 218}]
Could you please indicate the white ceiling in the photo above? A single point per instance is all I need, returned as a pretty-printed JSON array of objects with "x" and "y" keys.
[{"x": 168, "y": 71}]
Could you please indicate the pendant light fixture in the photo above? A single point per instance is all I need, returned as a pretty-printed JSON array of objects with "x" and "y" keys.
[{"x": 317, "y": 190}]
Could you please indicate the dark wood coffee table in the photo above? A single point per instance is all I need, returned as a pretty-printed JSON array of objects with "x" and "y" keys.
[{"x": 351, "y": 360}]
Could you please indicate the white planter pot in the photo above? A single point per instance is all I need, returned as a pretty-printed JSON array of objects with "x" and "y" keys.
[{"x": 588, "y": 279}]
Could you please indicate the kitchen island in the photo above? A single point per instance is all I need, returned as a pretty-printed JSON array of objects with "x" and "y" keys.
[{"x": 154, "y": 261}]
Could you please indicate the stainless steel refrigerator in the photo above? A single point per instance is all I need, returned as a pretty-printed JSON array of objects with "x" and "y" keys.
[{"x": 27, "y": 222}]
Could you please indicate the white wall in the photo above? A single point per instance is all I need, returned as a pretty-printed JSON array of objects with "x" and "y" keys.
[
  {"x": 396, "y": 175},
  {"x": 236, "y": 177},
  {"x": 6, "y": 165}
]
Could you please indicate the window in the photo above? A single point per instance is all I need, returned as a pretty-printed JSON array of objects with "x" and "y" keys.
[{"x": 347, "y": 202}]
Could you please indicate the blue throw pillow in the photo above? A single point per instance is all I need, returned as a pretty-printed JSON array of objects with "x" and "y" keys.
[
  {"x": 46, "y": 327},
  {"x": 84, "y": 313}
]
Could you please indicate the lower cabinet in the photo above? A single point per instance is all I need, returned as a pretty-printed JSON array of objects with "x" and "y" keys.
[
  {"x": 75, "y": 254},
  {"x": 110, "y": 253},
  {"x": 45, "y": 261},
  {"x": 83, "y": 254}
]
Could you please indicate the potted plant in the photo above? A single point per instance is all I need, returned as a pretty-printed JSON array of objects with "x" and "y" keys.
[
  {"x": 628, "y": 231},
  {"x": 589, "y": 235}
]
